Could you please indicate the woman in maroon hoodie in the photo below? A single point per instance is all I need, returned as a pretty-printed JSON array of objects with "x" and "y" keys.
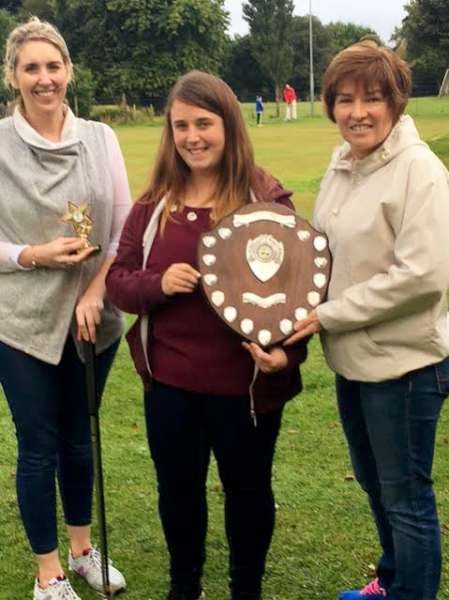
[{"x": 197, "y": 391}]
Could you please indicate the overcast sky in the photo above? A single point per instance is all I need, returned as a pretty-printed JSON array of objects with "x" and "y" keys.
[{"x": 381, "y": 15}]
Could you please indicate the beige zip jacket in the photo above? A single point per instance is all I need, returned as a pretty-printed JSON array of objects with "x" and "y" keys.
[{"x": 387, "y": 220}]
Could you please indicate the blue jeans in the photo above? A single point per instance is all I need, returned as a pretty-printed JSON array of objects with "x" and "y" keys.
[
  {"x": 183, "y": 428},
  {"x": 49, "y": 407},
  {"x": 390, "y": 428}
]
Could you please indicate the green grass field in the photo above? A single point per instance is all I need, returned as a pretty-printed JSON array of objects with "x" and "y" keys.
[{"x": 324, "y": 540}]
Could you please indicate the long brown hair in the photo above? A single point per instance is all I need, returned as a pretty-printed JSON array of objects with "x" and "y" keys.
[{"x": 237, "y": 172}]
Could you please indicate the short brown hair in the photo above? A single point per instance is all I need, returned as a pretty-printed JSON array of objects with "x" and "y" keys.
[
  {"x": 237, "y": 173},
  {"x": 368, "y": 63}
]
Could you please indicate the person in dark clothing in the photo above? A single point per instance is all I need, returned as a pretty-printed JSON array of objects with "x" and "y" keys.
[
  {"x": 201, "y": 372},
  {"x": 259, "y": 110}
]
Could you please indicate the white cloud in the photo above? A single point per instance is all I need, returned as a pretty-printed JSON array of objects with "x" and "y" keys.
[{"x": 382, "y": 16}]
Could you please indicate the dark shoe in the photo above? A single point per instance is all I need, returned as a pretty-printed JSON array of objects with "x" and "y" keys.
[{"x": 173, "y": 595}]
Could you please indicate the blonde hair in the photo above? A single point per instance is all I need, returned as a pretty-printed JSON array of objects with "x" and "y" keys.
[
  {"x": 367, "y": 62},
  {"x": 237, "y": 172},
  {"x": 32, "y": 30}
]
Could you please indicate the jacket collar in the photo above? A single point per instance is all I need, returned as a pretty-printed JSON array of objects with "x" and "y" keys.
[{"x": 403, "y": 135}]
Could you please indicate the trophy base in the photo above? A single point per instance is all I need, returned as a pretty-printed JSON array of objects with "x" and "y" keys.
[
  {"x": 97, "y": 250},
  {"x": 94, "y": 252}
]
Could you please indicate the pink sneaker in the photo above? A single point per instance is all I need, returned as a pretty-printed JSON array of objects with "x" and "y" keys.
[
  {"x": 58, "y": 588},
  {"x": 372, "y": 591}
]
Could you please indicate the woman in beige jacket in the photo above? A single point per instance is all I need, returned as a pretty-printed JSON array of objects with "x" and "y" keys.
[{"x": 384, "y": 205}]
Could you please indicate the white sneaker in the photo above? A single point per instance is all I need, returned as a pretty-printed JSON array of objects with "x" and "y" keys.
[
  {"x": 57, "y": 589},
  {"x": 88, "y": 566}
]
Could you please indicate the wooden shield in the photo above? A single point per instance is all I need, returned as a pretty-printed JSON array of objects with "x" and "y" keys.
[{"x": 263, "y": 267}]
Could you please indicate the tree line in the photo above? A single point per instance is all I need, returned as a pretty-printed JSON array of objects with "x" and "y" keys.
[{"x": 136, "y": 49}]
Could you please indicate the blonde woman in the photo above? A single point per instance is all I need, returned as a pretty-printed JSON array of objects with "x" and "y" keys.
[{"x": 54, "y": 296}]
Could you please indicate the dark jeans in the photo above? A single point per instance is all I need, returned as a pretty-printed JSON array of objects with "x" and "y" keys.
[
  {"x": 50, "y": 412},
  {"x": 183, "y": 428},
  {"x": 390, "y": 427}
]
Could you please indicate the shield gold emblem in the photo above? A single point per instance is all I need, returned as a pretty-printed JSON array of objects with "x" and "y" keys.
[{"x": 263, "y": 267}]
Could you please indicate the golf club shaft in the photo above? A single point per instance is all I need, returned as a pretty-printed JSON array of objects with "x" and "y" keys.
[{"x": 89, "y": 356}]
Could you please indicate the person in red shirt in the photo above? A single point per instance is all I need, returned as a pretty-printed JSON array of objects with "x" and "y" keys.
[
  {"x": 290, "y": 101},
  {"x": 197, "y": 373}
]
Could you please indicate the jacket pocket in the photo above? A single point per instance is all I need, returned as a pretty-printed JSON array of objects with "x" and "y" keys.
[{"x": 375, "y": 347}]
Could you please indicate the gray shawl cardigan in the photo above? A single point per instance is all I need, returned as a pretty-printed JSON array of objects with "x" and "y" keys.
[{"x": 37, "y": 179}]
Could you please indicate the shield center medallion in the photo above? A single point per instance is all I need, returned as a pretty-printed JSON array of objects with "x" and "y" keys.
[{"x": 264, "y": 255}]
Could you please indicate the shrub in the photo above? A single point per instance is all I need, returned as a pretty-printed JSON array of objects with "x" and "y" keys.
[
  {"x": 123, "y": 114},
  {"x": 80, "y": 93}
]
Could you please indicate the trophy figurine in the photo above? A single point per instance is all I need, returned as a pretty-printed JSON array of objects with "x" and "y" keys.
[{"x": 81, "y": 222}]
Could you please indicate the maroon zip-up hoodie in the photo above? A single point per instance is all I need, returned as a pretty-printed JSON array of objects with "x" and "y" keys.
[{"x": 189, "y": 346}]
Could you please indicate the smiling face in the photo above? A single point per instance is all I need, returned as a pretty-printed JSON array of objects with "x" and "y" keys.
[
  {"x": 363, "y": 116},
  {"x": 41, "y": 76},
  {"x": 198, "y": 135}
]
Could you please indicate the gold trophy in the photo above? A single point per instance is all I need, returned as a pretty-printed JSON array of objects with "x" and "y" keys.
[{"x": 82, "y": 223}]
